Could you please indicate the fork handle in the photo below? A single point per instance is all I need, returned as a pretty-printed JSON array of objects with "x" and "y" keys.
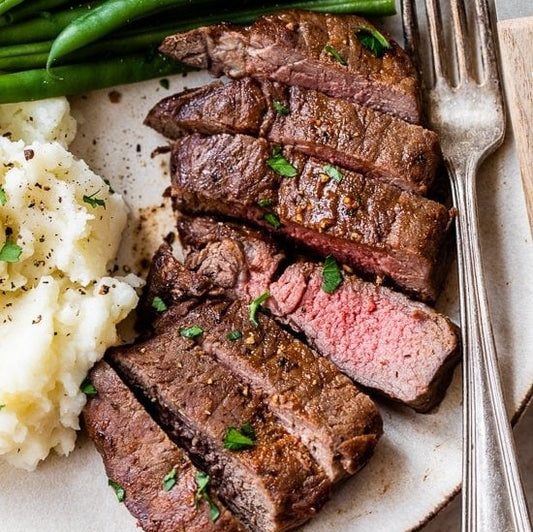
[{"x": 493, "y": 496}]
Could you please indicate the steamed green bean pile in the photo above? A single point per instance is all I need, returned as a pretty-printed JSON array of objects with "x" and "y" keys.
[{"x": 60, "y": 47}]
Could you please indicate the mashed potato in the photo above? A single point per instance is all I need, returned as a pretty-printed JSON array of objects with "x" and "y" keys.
[
  {"x": 60, "y": 228},
  {"x": 33, "y": 121}
]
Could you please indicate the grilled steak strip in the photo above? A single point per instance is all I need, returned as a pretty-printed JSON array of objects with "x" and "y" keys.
[
  {"x": 138, "y": 455},
  {"x": 376, "y": 228},
  {"x": 292, "y": 47},
  {"x": 355, "y": 137},
  {"x": 275, "y": 485},
  {"x": 308, "y": 395},
  {"x": 398, "y": 347},
  {"x": 411, "y": 349}
]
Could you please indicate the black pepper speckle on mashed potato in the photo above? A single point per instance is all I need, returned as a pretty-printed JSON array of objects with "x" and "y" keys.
[{"x": 60, "y": 228}]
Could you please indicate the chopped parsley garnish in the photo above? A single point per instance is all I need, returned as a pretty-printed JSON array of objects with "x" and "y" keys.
[
  {"x": 88, "y": 388},
  {"x": 272, "y": 219},
  {"x": 255, "y": 306},
  {"x": 169, "y": 480},
  {"x": 331, "y": 275},
  {"x": 280, "y": 165},
  {"x": 191, "y": 332},
  {"x": 202, "y": 482},
  {"x": 237, "y": 440},
  {"x": 335, "y": 54},
  {"x": 94, "y": 202},
  {"x": 333, "y": 172},
  {"x": 280, "y": 107},
  {"x": 10, "y": 251},
  {"x": 234, "y": 335},
  {"x": 372, "y": 40},
  {"x": 214, "y": 512},
  {"x": 108, "y": 183},
  {"x": 119, "y": 490},
  {"x": 158, "y": 304},
  {"x": 3, "y": 198},
  {"x": 165, "y": 83},
  {"x": 2, "y": 406},
  {"x": 265, "y": 202}
]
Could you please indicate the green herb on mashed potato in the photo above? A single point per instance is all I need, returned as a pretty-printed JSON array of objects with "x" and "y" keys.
[
  {"x": 59, "y": 306},
  {"x": 93, "y": 201},
  {"x": 10, "y": 251},
  {"x": 3, "y": 198}
]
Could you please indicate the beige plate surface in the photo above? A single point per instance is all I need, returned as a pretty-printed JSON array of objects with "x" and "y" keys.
[{"x": 417, "y": 465}]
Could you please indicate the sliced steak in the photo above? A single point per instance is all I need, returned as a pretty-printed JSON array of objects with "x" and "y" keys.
[
  {"x": 274, "y": 485},
  {"x": 242, "y": 260},
  {"x": 376, "y": 228},
  {"x": 298, "y": 48},
  {"x": 380, "y": 338},
  {"x": 308, "y": 395},
  {"x": 341, "y": 132},
  {"x": 138, "y": 455}
]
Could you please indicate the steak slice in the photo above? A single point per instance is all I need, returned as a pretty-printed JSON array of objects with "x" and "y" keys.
[
  {"x": 377, "y": 336},
  {"x": 341, "y": 132},
  {"x": 308, "y": 395},
  {"x": 241, "y": 260},
  {"x": 376, "y": 228},
  {"x": 274, "y": 485},
  {"x": 138, "y": 455},
  {"x": 380, "y": 338},
  {"x": 295, "y": 47}
]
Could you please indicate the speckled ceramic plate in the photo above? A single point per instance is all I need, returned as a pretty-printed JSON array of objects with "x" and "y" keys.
[{"x": 417, "y": 464}]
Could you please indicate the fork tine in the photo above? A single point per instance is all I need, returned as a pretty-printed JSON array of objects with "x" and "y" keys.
[
  {"x": 462, "y": 49},
  {"x": 435, "y": 32},
  {"x": 488, "y": 54},
  {"x": 411, "y": 34}
]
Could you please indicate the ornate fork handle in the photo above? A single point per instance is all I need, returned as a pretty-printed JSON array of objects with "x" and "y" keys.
[{"x": 493, "y": 498}]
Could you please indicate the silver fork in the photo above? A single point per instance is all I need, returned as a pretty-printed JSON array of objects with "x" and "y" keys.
[{"x": 465, "y": 107}]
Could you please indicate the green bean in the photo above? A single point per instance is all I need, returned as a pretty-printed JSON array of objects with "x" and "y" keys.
[
  {"x": 30, "y": 9},
  {"x": 42, "y": 28},
  {"x": 375, "y": 8},
  {"x": 25, "y": 49},
  {"x": 111, "y": 15},
  {"x": 175, "y": 23},
  {"x": 79, "y": 78},
  {"x": 246, "y": 16},
  {"x": 17, "y": 63},
  {"x": 6, "y": 5},
  {"x": 36, "y": 58}
]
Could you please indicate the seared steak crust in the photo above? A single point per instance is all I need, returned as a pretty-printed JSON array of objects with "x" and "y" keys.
[
  {"x": 383, "y": 340},
  {"x": 376, "y": 228},
  {"x": 344, "y": 133},
  {"x": 137, "y": 455},
  {"x": 274, "y": 486},
  {"x": 292, "y": 47},
  {"x": 307, "y": 394}
]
